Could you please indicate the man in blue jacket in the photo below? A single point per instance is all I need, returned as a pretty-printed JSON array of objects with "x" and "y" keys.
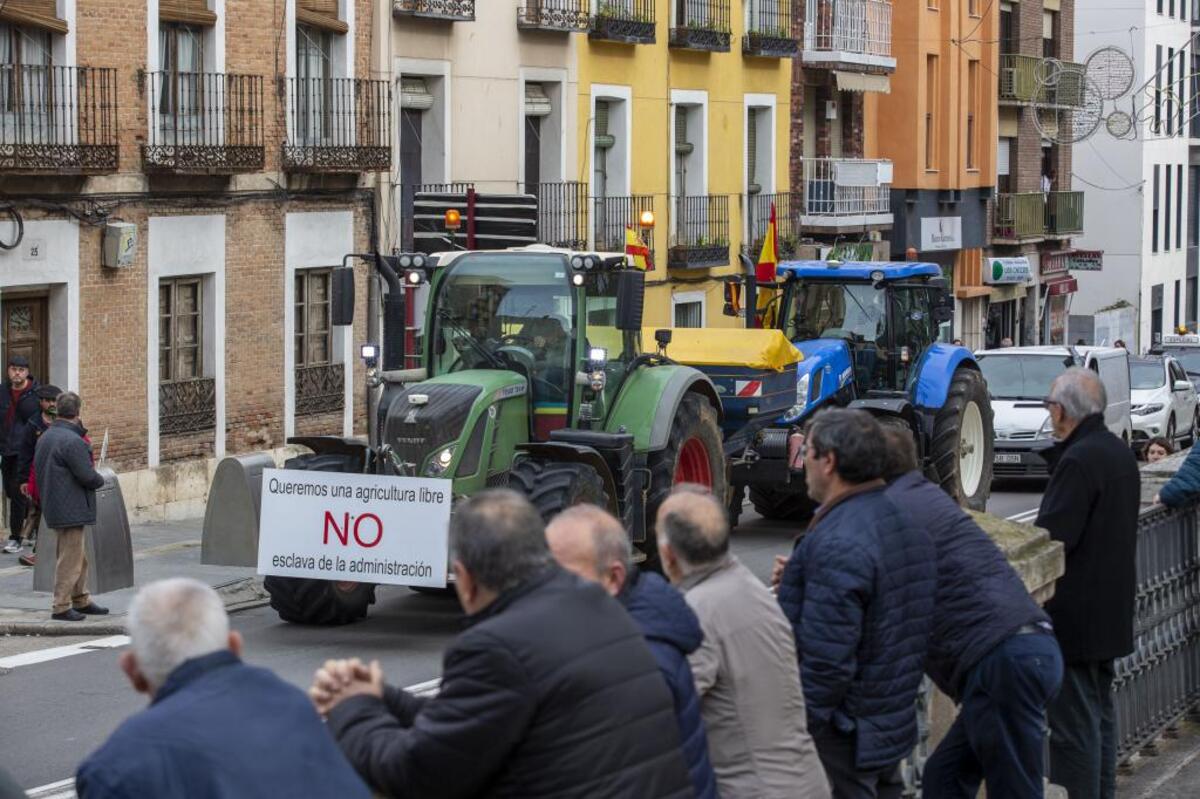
[
  {"x": 586, "y": 540},
  {"x": 859, "y": 592},
  {"x": 215, "y": 727},
  {"x": 1184, "y": 487},
  {"x": 992, "y": 649}
]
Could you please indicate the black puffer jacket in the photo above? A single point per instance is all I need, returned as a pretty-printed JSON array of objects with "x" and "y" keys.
[
  {"x": 551, "y": 692},
  {"x": 25, "y": 407}
]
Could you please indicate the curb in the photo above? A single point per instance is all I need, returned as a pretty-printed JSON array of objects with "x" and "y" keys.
[{"x": 242, "y": 594}]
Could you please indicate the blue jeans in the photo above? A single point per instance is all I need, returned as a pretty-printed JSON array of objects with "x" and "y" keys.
[
  {"x": 999, "y": 735},
  {"x": 1083, "y": 739}
]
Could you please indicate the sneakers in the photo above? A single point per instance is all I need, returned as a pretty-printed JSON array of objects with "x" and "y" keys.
[
  {"x": 70, "y": 614},
  {"x": 12, "y": 547},
  {"x": 28, "y": 560},
  {"x": 92, "y": 609}
]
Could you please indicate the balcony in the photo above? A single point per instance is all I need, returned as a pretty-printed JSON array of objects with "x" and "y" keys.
[
  {"x": 846, "y": 194},
  {"x": 1064, "y": 213},
  {"x": 187, "y": 406},
  {"x": 849, "y": 34},
  {"x": 699, "y": 233},
  {"x": 57, "y": 120},
  {"x": 612, "y": 215},
  {"x": 449, "y": 10},
  {"x": 1019, "y": 217},
  {"x": 208, "y": 124},
  {"x": 701, "y": 25},
  {"x": 1027, "y": 79},
  {"x": 560, "y": 16},
  {"x": 320, "y": 389},
  {"x": 338, "y": 125},
  {"x": 758, "y": 219},
  {"x": 562, "y": 213},
  {"x": 625, "y": 21},
  {"x": 769, "y": 29}
]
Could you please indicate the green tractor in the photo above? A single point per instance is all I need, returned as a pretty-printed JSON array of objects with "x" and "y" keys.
[{"x": 532, "y": 377}]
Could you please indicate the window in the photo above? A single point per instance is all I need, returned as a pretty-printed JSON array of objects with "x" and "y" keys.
[
  {"x": 1004, "y": 150},
  {"x": 25, "y": 80},
  {"x": 759, "y": 137},
  {"x": 422, "y": 129},
  {"x": 1167, "y": 216},
  {"x": 1180, "y": 96},
  {"x": 1193, "y": 226},
  {"x": 314, "y": 99},
  {"x": 1154, "y": 213},
  {"x": 1008, "y": 42},
  {"x": 689, "y": 309},
  {"x": 314, "y": 333},
  {"x": 1050, "y": 34},
  {"x": 1178, "y": 292},
  {"x": 181, "y": 56},
  {"x": 972, "y": 114},
  {"x": 931, "y": 98},
  {"x": 1158, "y": 63},
  {"x": 1160, "y": 6},
  {"x": 1156, "y": 312},
  {"x": 543, "y": 133},
  {"x": 1190, "y": 302},
  {"x": 1170, "y": 105},
  {"x": 1179, "y": 206},
  {"x": 180, "y": 322},
  {"x": 973, "y": 7}
]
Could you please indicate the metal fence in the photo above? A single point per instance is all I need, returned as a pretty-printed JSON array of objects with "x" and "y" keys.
[
  {"x": 846, "y": 186},
  {"x": 1064, "y": 212},
  {"x": 58, "y": 119},
  {"x": 849, "y": 26},
  {"x": 1159, "y": 681},
  {"x": 338, "y": 125},
  {"x": 758, "y": 218},
  {"x": 612, "y": 215},
  {"x": 562, "y": 213},
  {"x": 204, "y": 121},
  {"x": 1019, "y": 216},
  {"x": 555, "y": 15}
]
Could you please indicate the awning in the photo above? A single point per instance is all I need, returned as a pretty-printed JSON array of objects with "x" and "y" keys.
[
  {"x": 1007, "y": 293},
  {"x": 972, "y": 292},
  {"x": 537, "y": 104},
  {"x": 1056, "y": 263},
  {"x": 1060, "y": 286},
  {"x": 414, "y": 94},
  {"x": 859, "y": 82}
]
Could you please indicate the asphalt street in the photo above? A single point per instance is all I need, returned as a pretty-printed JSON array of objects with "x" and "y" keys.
[{"x": 56, "y": 711}]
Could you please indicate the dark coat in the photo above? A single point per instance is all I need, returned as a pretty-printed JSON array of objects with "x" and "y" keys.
[
  {"x": 673, "y": 632},
  {"x": 1184, "y": 487},
  {"x": 981, "y": 600},
  {"x": 550, "y": 692},
  {"x": 1091, "y": 504},
  {"x": 27, "y": 406},
  {"x": 66, "y": 480},
  {"x": 31, "y": 431},
  {"x": 859, "y": 592},
  {"x": 218, "y": 728}
]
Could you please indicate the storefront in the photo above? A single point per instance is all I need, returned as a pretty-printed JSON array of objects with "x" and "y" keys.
[
  {"x": 1008, "y": 279},
  {"x": 1056, "y": 309}
]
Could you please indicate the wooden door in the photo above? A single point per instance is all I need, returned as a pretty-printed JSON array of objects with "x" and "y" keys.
[{"x": 24, "y": 321}]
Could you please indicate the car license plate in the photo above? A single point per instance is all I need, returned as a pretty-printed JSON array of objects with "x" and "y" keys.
[{"x": 1007, "y": 457}]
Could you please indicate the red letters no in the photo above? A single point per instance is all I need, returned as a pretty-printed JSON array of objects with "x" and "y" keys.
[
  {"x": 341, "y": 533},
  {"x": 378, "y": 530}
]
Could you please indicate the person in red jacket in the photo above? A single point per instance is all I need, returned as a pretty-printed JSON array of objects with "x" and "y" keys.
[{"x": 27, "y": 444}]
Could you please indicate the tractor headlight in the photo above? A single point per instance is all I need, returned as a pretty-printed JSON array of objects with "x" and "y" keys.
[
  {"x": 801, "y": 395},
  {"x": 440, "y": 462}
]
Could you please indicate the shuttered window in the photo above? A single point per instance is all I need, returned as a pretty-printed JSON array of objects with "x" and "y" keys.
[
  {"x": 320, "y": 14},
  {"x": 189, "y": 12},
  {"x": 314, "y": 334},
  {"x": 603, "y": 139},
  {"x": 752, "y": 151},
  {"x": 34, "y": 13},
  {"x": 180, "y": 320},
  {"x": 682, "y": 145}
]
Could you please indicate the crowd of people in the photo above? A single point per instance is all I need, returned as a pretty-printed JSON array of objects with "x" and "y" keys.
[{"x": 578, "y": 674}]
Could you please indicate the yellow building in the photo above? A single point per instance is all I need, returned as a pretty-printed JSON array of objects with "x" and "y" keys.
[{"x": 684, "y": 110}]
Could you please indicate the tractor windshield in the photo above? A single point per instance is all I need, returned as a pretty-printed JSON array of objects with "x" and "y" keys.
[
  {"x": 497, "y": 312},
  {"x": 854, "y": 312}
]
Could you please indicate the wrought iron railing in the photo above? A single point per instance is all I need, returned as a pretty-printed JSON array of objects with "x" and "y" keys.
[
  {"x": 1064, "y": 212},
  {"x": 58, "y": 119},
  {"x": 612, "y": 215},
  {"x": 562, "y": 213},
  {"x": 629, "y": 21},
  {"x": 338, "y": 125},
  {"x": 845, "y": 187},
  {"x": 204, "y": 122},
  {"x": 320, "y": 389},
  {"x": 187, "y": 406},
  {"x": 701, "y": 25},
  {"x": 1019, "y": 216},
  {"x": 555, "y": 15},
  {"x": 454, "y": 10},
  {"x": 699, "y": 232},
  {"x": 758, "y": 218},
  {"x": 862, "y": 27},
  {"x": 769, "y": 29}
]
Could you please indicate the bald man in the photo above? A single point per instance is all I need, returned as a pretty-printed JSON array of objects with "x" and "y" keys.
[
  {"x": 591, "y": 543},
  {"x": 746, "y": 670}
]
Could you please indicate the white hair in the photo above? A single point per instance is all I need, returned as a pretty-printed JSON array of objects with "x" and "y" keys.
[
  {"x": 1080, "y": 393},
  {"x": 175, "y": 620}
]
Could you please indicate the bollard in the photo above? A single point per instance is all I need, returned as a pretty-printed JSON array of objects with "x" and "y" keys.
[
  {"x": 230, "y": 536},
  {"x": 109, "y": 546}
]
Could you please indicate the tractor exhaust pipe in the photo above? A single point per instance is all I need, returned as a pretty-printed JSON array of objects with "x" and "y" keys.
[{"x": 393, "y": 316}]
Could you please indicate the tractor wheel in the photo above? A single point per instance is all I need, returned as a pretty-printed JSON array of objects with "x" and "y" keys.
[
  {"x": 553, "y": 487},
  {"x": 962, "y": 441},
  {"x": 303, "y": 600},
  {"x": 788, "y": 506},
  {"x": 694, "y": 454}
]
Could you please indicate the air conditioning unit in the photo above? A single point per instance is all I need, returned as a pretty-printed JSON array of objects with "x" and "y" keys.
[
  {"x": 830, "y": 109},
  {"x": 120, "y": 244}
]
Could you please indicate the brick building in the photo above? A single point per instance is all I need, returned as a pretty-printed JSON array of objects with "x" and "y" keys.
[{"x": 180, "y": 176}]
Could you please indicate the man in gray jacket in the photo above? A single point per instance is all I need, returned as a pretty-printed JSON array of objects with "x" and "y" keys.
[
  {"x": 746, "y": 670},
  {"x": 67, "y": 483}
]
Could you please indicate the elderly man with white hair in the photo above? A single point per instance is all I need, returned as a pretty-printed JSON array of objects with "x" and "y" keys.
[
  {"x": 1091, "y": 505},
  {"x": 215, "y": 727}
]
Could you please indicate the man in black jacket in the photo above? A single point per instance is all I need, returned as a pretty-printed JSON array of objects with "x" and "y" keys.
[
  {"x": 18, "y": 403},
  {"x": 1091, "y": 505},
  {"x": 550, "y": 692},
  {"x": 27, "y": 440}
]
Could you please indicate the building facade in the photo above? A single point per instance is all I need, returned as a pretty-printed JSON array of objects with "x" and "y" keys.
[{"x": 180, "y": 176}]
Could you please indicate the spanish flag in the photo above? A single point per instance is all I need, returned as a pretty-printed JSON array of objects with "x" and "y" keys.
[
  {"x": 637, "y": 249},
  {"x": 764, "y": 275}
]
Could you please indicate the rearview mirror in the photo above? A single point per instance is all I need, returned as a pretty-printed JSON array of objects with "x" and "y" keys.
[
  {"x": 942, "y": 310},
  {"x": 341, "y": 296},
  {"x": 631, "y": 298},
  {"x": 1182, "y": 385}
]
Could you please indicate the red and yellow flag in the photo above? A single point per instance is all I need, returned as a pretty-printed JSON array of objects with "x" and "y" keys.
[
  {"x": 764, "y": 275},
  {"x": 637, "y": 249}
]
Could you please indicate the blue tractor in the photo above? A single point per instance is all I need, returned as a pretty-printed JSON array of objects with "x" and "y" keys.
[{"x": 869, "y": 333}]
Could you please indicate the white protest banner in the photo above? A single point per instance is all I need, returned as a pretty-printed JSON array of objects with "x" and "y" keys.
[{"x": 354, "y": 527}]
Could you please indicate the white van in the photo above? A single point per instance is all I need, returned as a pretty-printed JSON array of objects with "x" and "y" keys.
[{"x": 1019, "y": 379}]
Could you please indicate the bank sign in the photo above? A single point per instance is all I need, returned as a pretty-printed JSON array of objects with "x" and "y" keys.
[
  {"x": 354, "y": 527},
  {"x": 1007, "y": 270}
]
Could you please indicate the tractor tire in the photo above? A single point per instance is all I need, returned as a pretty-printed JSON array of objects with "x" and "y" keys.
[
  {"x": 961, "y": 450},
  {"x": 303, "y": 600},
  {"x": 694, "y": 454},
  {"x": 782, "y": 506},
  {"x": 553, "y": 487}
]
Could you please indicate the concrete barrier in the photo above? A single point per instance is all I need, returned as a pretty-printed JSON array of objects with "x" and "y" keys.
[{"x": 109, "y": 547}]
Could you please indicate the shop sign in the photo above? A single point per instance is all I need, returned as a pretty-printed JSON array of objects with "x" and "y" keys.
[
  {"x": 1087, "y": 260},
  {"x": 941, "y": 233},
  {"x": 1062, "y": 287},
  {"x": 1056, "y": 263},
  {"x": 1007, "y": 270}
]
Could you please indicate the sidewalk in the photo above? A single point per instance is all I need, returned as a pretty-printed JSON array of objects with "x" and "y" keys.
[{"x": 160, "y": 549}]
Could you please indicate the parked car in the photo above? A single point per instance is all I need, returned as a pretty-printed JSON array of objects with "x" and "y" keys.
[
  {"x": 1186, "y": 350},
  {"x": 1019, "y": 380},
  {"x": 1164, "y": 401}
]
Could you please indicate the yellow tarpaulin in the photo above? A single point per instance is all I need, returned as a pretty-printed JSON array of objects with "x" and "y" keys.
[{"x": 715, "y": 346}]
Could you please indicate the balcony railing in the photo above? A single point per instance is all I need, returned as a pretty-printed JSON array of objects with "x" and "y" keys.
[
  {"x": 699, "y": 232},
  {"x": 204, "y": 123},
  {"x": 338, "y": 125},
  {"x": 1064, "y": 213},
  {"x": 758, "y": 218},
  {"x": 320, "y": 389},
  {"x": 452, "y": 10},
  {"x": 562, "y": 213},
  {"x": 701, "y": 25},
  {"x": 187, "y": 406},
  {"x": 612, "y": 215},
  {"x": 846, "y": 191},
  {"x": 769, "y": 29},
  {"x": 58, "y": 120},
  {"x": 1027, "y": 79},
  {"x": 1019, "y": 216},
  {"x": 555, "y": 15},
  {"x": 849, "y": 32}
]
